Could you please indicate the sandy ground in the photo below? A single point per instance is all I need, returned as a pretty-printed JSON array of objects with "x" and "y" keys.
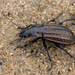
[{"x": 33, "y": 59}]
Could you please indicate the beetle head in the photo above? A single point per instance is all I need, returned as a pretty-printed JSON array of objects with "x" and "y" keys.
[{"x": 24, "y": 34}]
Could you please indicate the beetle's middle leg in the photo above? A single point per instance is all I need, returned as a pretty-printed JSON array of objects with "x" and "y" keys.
[
  {"x": 47, "y": 51},
  {"x": 64, "y": 50},
  {"x": 27, "y": 44},
  {"x": 54, "y": 19}
]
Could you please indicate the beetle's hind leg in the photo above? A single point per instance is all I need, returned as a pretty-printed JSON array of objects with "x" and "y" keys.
[
  {"x": 54, "y": 19},
  {"x": 27, "y": 44},
  {"x": 67, "y": 20},
  {"x": 64, "y": 50}
]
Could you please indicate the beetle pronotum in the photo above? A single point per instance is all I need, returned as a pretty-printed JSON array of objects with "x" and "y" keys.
[{"x": 52, "y": 32}]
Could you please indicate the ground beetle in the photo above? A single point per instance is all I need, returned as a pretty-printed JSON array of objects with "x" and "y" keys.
[{"x": 55, "y": 33}]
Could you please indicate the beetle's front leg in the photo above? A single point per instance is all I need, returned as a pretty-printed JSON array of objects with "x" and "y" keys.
[
  {"x": 28, "y": 43},
  {"x": 64, "y": 50}
]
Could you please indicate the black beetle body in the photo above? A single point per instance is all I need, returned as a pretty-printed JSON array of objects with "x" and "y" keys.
[{"x": 52, "y": 32}]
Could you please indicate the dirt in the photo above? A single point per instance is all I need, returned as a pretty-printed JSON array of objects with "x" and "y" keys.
[{"x": 33, "y": 59}]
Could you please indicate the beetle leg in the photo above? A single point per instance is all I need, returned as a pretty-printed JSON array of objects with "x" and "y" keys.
[
  {"x": 47, "y": 53},
  {"x": 67, "y": 20},
  {"x": 54, "y": 19},
  {"x": 27, "y": 44},
  {"x": 73, "y": 23},
  {"x": 64, "y": 50}
]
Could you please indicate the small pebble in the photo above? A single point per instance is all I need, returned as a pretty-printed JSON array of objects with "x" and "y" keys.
[
  {"x": 69, "y": 69},
  {"x": 11, "y": 54},
  {"x": 3, "y": 32},
  {"x": 1, "y": 45},
  {"x": 0, "y": 63},
  {"x": 73, "y": 3}
]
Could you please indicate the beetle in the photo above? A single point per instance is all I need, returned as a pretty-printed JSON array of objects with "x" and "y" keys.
[{"x": 55, "y": 33}]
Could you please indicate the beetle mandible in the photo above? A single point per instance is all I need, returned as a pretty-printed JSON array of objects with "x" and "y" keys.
[{"x": 55, "y": 33}]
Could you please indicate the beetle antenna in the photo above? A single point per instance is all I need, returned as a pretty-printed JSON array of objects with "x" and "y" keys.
[{"x": 14, "y": 23}]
